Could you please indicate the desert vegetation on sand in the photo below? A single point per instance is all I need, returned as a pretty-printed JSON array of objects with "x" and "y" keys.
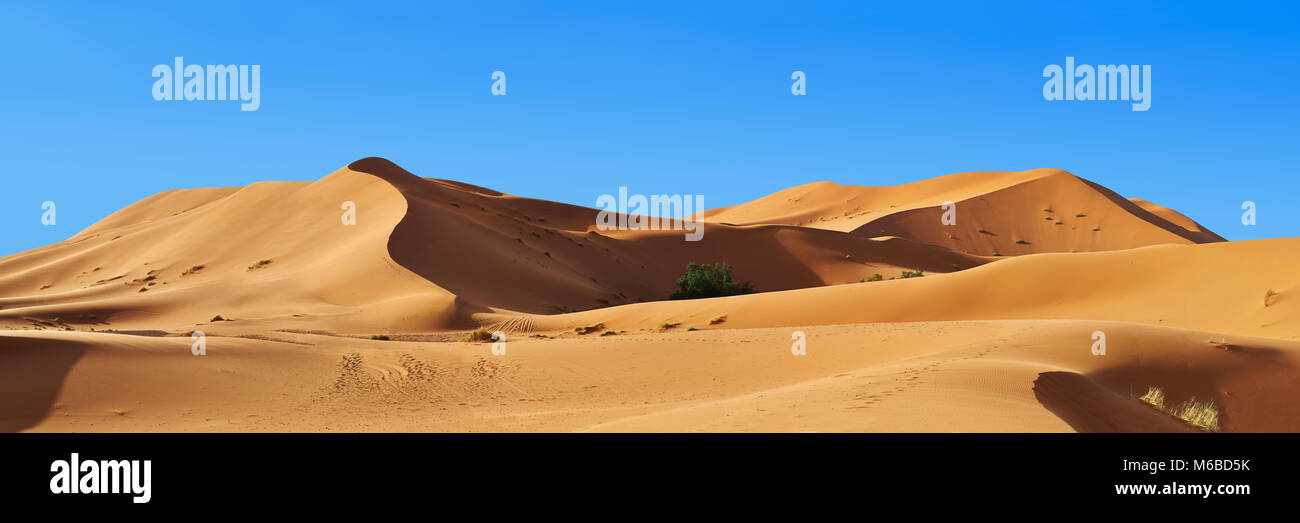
[
  {"x": 1203, "y": 415},
  {"x": 478, "y": 335},
  {"x": 709, "y": 281}
]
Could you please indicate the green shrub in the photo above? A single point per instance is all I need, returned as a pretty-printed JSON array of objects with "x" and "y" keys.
[
  {"x": 708, "y": 281},
  {"x": 913, "y": 274}
]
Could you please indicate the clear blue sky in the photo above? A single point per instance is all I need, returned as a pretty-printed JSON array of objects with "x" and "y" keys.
[{"x": 690, "y": 98}]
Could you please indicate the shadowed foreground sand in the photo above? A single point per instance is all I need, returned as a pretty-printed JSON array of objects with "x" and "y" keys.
[{"x": 1000, "y": 343}]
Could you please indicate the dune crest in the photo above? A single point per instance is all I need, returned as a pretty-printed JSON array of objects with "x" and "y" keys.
[{"x": 996, "y": 213}]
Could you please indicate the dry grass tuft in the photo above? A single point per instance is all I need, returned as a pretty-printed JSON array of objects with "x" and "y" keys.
[
  {"x": 1154, "y": 397},
  {"x": 480, "y": 334},
  {"x": 1202, "y": 415}
]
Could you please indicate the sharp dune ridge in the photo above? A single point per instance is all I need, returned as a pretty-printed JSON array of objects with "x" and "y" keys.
[{"x": 995, "y": 337}]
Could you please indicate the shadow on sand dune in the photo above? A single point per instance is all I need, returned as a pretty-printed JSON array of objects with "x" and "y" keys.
[
  {"x": 32, "y": 371},
  {"x": 1089, "y": 407},
  {"x": 537, "y": 257}
]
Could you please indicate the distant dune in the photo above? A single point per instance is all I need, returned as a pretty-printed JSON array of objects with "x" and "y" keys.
[
  {"x": 997, "y": 213},
  {"x": 997, "y": 336}
]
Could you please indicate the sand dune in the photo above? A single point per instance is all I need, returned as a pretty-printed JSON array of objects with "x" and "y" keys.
[
  {"x": 269, "y": 250},
  {"x": 425, "y": 254},
  {"x": 519, "y": 254},
  {"x": 1245, "y": 288},
  {"x": 1202, "y": 234},
  {"x": 996, "y": 337},
  {"x": 996, "y": 213}
]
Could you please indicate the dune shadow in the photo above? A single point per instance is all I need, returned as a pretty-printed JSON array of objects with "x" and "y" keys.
[
  {"x": 32, "y": 372},
  {"x": 1205, "y": 236},
  {"x": 490, "y": 258},
  {"x": 1252, "y": 383},
  {"x": 1087, "y": 406}
]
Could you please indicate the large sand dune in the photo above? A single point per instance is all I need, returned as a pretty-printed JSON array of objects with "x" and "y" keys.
[{"x": 996, "y": 337}]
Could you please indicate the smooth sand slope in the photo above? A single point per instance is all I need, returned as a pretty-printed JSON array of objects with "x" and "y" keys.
[
  {"x": 1245, "y": 288},
  {"x": 1001, "y": 343}
]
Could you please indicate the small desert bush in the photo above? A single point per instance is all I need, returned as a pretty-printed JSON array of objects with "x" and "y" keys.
[
  {"x": 708, "y": 281},
  {"x": 875, "y": 277},
  {"x": 480, "y": 334},
  {"x": 718, "y": 320},
  {"x": 379, "y": 337},
  {"x": 589, "y": 328},
  {"x": 913, "y": 274}
]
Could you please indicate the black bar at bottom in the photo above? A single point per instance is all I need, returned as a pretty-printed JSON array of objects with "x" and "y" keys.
[{"x": 230, "y": 471}]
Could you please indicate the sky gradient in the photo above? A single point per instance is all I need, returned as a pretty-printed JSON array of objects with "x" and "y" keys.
[{"x": 660, "y": 97}]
